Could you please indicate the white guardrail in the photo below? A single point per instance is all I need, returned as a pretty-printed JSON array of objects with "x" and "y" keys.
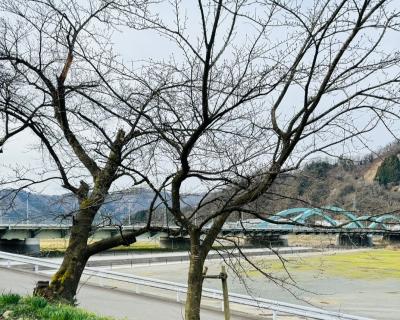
[{"x": 276, "y": 307}]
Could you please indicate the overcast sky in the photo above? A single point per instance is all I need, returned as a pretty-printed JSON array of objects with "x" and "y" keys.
[{"x": 22, "y": 150}]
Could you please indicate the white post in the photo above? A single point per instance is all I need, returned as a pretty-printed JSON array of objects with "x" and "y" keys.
[
  {"x": 129, "y": 213},
  {"x": 36, "y": 268},
  {"x": 177, "y": 295},
  {"x": 274, "y": 315},
  {"x": 27, "y": 210}
]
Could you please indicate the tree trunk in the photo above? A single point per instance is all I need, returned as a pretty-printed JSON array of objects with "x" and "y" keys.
[
  {"x": 64, "y": 283},
  {"x": 195, "y": 280}
]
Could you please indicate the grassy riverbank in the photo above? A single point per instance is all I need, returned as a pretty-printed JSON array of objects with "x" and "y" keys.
[
  {"x": 13, "y": 306},
  {"x": 372, "y": 264}
]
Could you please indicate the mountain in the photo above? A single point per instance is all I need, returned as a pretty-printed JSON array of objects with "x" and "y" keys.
[
  {"x": 22, "y": 205},
  {"x": 352, "y": 184}
]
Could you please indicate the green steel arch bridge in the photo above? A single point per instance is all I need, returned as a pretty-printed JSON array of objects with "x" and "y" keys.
[
  {"x": 331, "y": 219},
  {"x": 351, "y": 229}
]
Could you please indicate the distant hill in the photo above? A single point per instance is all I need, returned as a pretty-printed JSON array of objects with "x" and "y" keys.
[
  {"x": 49, "y": 208},
  {"x": 347, "y": 183}
]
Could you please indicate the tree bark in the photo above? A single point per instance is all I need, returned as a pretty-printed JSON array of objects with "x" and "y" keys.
[
  {"x": 195, "y": 279},
  {"x": 64, "y": 283}
]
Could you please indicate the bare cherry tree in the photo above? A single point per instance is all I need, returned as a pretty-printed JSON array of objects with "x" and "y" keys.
[
  {"x": 256, "y": 87},
  {"x": 55, "y": 59},
  {"x": 250, "y": 90}
]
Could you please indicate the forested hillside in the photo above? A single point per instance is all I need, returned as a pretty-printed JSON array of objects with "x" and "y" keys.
[{"x": 367, "y": 185}]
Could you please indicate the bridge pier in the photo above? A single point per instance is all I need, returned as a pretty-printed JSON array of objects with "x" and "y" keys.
[
  {"x": 174, "y": 243},
  {"x": 354, "y": 240},
  {"x": 392, "y": 238},
  {"x": 27, "y": 246},
  {"x": 265, "y": 241}
]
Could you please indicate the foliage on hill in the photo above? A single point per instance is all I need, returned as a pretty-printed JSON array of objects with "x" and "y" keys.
[
  {"x": 389, "y": 171},
  {"x": 13, "y": 306}
]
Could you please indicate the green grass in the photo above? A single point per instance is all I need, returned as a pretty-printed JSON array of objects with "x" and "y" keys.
[
  {"x": 370, "y": 264},
  {"x": 33, "y": 308}
]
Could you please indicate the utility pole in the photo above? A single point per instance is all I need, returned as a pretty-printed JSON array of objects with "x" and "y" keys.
[
  {"x": 223, "y": 276},
  {"x": 27, "y": 210},
  {"x": 129, "y": 213}
]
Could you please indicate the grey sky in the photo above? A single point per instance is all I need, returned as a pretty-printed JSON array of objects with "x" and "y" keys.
[{"x": 23, "y": 151}]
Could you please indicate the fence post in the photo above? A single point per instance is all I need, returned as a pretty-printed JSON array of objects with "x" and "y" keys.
[
  {"x": 178, "y": 298},
  {"x": 224, "y": 277},
  {"x": 274, "y": 315},
  {"x": 36, "y": 268},
  {"x": 225, "y": 295}
]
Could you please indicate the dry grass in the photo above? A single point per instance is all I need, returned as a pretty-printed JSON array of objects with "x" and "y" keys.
[
  {"x": 369, "y": 264},
  {"x": 61, "y": 245}
]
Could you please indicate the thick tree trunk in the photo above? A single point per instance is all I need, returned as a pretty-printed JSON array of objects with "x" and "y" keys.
[
  {"x": 64, "y": 283},
  {"x": 195, "y": 280}
]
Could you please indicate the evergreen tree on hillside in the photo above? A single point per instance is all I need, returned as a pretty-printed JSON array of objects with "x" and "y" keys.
[
  {"x": 389, "y": 171},
  {"x": 319, "y": 169}
]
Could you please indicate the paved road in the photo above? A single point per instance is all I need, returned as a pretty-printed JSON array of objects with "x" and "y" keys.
[{"x": 107, "y": 302}]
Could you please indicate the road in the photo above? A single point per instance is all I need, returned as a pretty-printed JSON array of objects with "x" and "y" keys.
[{"x": 107, "y": 302}]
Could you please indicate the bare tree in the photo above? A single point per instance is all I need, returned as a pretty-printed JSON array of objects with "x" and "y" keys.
[
  {"x": 251, "y": 89},
  {"x": 56, "y": 58},
  {"x": 256, "y": 87}
]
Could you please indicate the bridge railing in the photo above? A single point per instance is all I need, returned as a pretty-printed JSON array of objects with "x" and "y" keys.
[{"x": 276, "y": 307}]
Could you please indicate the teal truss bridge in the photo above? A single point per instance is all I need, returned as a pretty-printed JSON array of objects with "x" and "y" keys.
[
  {"x": 330, "y": 219},
  {"x": 271, "y": 230},
  {"x": 349, "y": 228}
]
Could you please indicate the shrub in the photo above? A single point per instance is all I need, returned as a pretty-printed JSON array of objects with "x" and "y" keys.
[
  {"x": 9, "y": 298},
  {"x": 347, "y": 189},
  {"x": 303, "y": 185}
]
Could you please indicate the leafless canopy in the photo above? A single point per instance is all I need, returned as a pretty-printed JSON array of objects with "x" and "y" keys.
[
  {"x": 257, "y": 87},
  {"x": 243, "y": 91}
]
